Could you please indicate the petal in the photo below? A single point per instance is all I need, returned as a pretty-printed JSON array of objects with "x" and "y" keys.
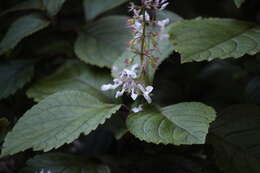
[
  {"x": 106, "y": 87},
  {"x": 149, "y": 89},
  {"x": 133, "y": 94}
]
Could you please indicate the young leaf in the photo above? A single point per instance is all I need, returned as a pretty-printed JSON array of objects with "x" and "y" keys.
[
  {"x": 239, "y": 3},
  {"x": 235, "y": 137},
  {"x": 94, "y": 8},
  {"x": 63, "y": 163},
  {"x": 103, "y": 42},
  {"x": 14, "y": 75},
  {"x": 21, "y": 28},
  {"x": 58, "y": 119},
  {"x": 53, "y": 6},
  {"x": 207, "y": 39},
  {"x": 184, "y": 123},
  {"x": 73, "y": 75}
]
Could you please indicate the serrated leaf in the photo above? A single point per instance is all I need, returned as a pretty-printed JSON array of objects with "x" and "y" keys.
[
  {"x": 103, "y": 42},
  {"x": 239, "y": 3},
  {"x": 183, "y": 123},
  {"x": 235, "y": 137},
  {"x": 165, "y": 48},
  {"x": 73, "y": 75},
  {"x": 56, "y": 120},
  {"x": 63, "y": 163},
  {"x": 53, "y": 6},
  {"x": 207, "y": 39},
  {"x": 14, "y": 75},
  {"x": 21, "y": 28},
  {"x": 94, "y": 8}
]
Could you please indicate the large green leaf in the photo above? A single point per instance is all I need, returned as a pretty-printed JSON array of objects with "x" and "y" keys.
[
  {"x": 56, "y": 120},
  {"x": 184, "y": 123},
  {"x": 236, "y": 139},
  {"x": 53, "y": 6},
  {"x": 63, "y": 163},
  {"x": 102, "y": 42},
  {"x": 94, "y": 8},
  {"x": 73, "y": 75},
  {"x": 14, "y": 75},
  {"x": 207, "y": 39},
  {"x": 239, "y": 3},
  {"x": 21, "y": 28}
]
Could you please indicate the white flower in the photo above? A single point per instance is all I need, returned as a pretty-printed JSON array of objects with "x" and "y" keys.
[
  {"x": 163, "y": 23},
  {"x": 137, "y": 109},
  {"x": 145, "y": 92},
  {"x": 116, "y": 84}
]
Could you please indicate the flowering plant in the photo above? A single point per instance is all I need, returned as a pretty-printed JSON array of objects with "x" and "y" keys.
[{"x": 138, "y": 78}]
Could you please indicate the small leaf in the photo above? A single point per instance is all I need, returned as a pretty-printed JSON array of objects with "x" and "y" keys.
[
  {"x": 239, "y": 3},
  {"x": 58, "y": 119},
  {"x": 53, "y": 6},
  {"x": 14, "y": 75},
  {"x": 207, "y": 39},
  {"x": 103, "y": 42},
  {"x": 21, "y": 28},
  {"x": 63, "y": 163},
  {"x": 94, "y": 8},
  {"x": 73, "y": 75},
  {"x": 235, "y": 137},
  {"x": 184, "y": 123}
]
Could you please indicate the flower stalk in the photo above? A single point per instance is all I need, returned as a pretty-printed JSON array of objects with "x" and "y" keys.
[{"x": 146, "y": 31}]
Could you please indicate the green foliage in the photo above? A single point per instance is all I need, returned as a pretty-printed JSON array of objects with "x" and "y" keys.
[
  {"x": 53, "y": 6},
  {"x": 21, "y": 28},
  {"x": 14, "y": 75},
  {"x": 102, "y": 42},
  {"x": 63, "y": 163},
  {"x": 235, "y": 137},
  {"x": 94, "y": 8},
  {"x": 183, "y": 123},
  {"x": 4, "y": 123},
  {"x": 58, "y": 119},
  {"x": 207, "y": 39},
  {"x": 73, "y": 75}
]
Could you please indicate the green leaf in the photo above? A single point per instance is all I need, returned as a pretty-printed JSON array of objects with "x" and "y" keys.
[
  {"x": 63, "y": 163},
  {"x": 170, "y": 15},
  {"x": 94, "y": 8},
  {"x": 73, "y": 75},
  {"x": 165, "y": 48},
  {"x": 56, "y": 120},
  {"x": 21, "y": 28},
  {"x": 236, "y": 139},
  {"x": 14, "y": 75},
  {"x": 53, "y": 6},
  {"x": 207, "y": 39},
  {"x": 239, "y": 3},
  {"x": 184, "y": 123},
  {"x": 103, "y": 42},
  {"x": 25, "y": 5}
]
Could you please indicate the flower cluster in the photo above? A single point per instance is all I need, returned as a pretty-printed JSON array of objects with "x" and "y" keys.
[
  {"x": 146, "y": 31},
  {"x": 128, "y": 83}
]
